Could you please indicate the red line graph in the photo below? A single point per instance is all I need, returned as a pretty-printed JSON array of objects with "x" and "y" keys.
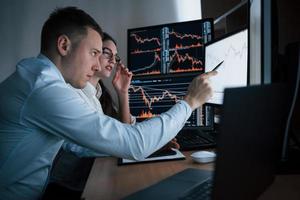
[
  {"x": 193, "y": 69},
  {"x": 196, "y": 65},
  {"x": 150, "y": 100},
  {"x": 150, "y": 72},
  {"x": 155, "y": 61},
  {"x": 180, "y": 46},
  {"x": 182, "y": 36},
  {"x": 186, "y": 57},
  {"x": 140, "y": 40},
  {"x": 137, "y": 51}
]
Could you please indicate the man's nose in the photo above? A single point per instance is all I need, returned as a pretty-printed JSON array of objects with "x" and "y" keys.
[{"x": 97, "y": 66}]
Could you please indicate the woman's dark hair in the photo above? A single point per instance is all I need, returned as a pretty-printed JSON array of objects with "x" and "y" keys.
[
  {"x": 106, "y": 37},
  {"x": 106, "y": 99},
  {"x": 106, "y": 102},
  {"x": 70, "y": 21}
]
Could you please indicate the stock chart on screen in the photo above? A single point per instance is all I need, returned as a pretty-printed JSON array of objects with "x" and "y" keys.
[
  {"x": 167, "y": 49},
  {"x": 164, "y": 60},
  {"x": 150, "y": 97}
]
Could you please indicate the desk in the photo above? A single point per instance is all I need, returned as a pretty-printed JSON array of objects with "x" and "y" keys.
[
  {"x": 284, "y": 187},
  {"x": 110, "y": 182}
]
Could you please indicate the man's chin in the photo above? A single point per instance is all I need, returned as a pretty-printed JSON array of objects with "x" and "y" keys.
[{"x": 79, "y": 85}]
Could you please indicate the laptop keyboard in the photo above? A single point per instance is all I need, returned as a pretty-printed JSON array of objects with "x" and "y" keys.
[
  {"x": 196, "y": 139},
  {"x": 202, "y": 191}
]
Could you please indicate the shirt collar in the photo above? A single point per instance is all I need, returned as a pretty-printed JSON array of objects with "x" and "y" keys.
[
  {"x": 48, "y": 62},
  {"x": 99, "y": 91},
  {"x": 89, "y": 90}
]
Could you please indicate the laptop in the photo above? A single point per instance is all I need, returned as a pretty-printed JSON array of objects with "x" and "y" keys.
[{"x": 248, "y": 147}]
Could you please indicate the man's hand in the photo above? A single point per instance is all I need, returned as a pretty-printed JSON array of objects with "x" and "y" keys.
[
  {"x": 167, "y": 149},
  {"x": 172, "y": 144},
  {"x": 122, "y": 79},
  {"x": 199, "y": 90}
]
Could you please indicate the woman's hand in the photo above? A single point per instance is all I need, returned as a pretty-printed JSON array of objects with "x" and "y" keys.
[{"x": 122, "y": 79}]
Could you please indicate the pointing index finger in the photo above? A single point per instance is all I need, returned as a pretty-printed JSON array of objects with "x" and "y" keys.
[{"x": 209, "y": 74}]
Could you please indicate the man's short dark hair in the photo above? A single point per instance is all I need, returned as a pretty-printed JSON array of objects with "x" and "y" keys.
[{"x": 70, "y": 21}]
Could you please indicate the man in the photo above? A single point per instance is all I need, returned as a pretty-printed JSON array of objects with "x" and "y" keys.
[{"x": 38, "y": 111}]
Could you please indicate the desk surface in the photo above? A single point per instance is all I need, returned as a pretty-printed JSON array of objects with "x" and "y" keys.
[{"x": 109, "y": 181}]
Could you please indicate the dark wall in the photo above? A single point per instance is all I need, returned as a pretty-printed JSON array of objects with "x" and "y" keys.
[
  {"x": 289, "y": 32},
  {"x": 217, "y": 8},
  {"x": 289, "y": 22}
]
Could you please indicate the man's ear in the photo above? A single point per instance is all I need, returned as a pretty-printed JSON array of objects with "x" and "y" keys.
[{"x": 63, "y": 45}]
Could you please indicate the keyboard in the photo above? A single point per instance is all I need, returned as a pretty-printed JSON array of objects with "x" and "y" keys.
[
  {"x": 193, "y": 139},
  {"x": 202, "y": 191}
]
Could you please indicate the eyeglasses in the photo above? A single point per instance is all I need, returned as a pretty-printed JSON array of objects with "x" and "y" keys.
[{"x": 107, "y": 53}]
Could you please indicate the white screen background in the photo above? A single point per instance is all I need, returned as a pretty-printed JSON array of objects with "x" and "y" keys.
[{"x": 233, "y": 50}]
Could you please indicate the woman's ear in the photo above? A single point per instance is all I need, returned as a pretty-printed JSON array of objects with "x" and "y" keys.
[{"x": 63, "y": 45}]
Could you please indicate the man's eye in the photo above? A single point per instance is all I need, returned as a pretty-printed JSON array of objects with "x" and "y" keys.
[{"x": 94, "y": 53}]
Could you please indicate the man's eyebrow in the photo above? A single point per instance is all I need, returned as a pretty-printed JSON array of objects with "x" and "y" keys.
[{"x": 98, "y": 50}]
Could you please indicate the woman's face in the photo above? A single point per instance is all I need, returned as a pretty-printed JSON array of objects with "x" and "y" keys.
[{"x": 108, "y": 59}]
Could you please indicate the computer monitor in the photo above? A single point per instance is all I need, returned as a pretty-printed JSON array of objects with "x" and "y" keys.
[
  {"x": 164, "y": 59},
  {"x": 151, "y": 97},
  {"x": 168, "y": 48},
  {"x": 230, "y": 54}
]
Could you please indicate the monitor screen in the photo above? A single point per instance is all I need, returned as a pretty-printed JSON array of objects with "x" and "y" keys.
[
  {"x": 169, "y": 48},
  {"x": 230, "y": 54},
  {"x": 164, "y": 59},
  {"x": 150, "y": 97}
]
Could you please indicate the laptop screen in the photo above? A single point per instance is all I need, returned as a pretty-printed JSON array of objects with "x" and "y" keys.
[{"x": 248, "y": 146}]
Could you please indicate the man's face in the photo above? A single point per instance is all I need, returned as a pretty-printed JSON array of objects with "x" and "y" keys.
[
  {"x": 83, "y": 59},
  {"x": 108, "y": 59}
]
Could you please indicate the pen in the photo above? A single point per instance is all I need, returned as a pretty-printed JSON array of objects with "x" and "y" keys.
[{"x": 216, "y": 67}]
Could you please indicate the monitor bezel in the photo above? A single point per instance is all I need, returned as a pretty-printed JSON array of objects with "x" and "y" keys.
[{"x": 211, "y": 20}]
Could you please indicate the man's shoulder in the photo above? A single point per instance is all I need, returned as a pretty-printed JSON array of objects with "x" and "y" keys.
[
  {"x": 25, "y": 77},
  {"x": 33, "y": 65},
  {"x": 39, "y": 71},
  {"x": 29, "y": 63}
]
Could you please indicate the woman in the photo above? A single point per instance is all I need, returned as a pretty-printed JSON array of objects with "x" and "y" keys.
[{"x": 121, "y": 81}]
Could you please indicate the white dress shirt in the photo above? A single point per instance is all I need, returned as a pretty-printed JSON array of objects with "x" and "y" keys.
[
  {"x": 38, "y": 111},
  {"x": 91, "y": 96},
  {"x": 88, "y": 94}
]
